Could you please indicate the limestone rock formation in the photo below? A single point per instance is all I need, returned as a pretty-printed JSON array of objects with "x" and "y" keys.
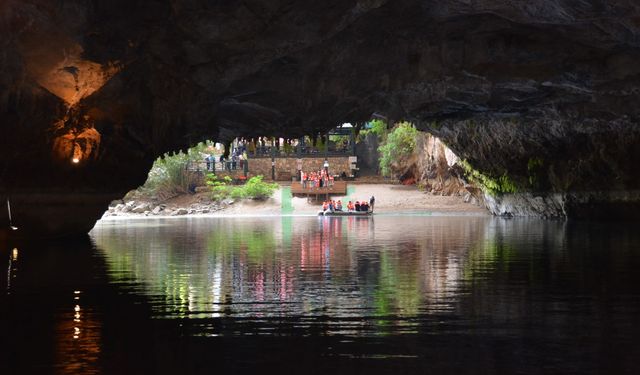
[{"x": 92, "y": 91}]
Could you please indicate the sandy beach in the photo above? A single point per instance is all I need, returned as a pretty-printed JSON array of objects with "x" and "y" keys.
[{"x": 390, "y": 198}]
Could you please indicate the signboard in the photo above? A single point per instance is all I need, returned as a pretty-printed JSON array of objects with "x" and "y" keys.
[
  {"x": 353, "y": 159},
  {"x": 299, "y": 164}
]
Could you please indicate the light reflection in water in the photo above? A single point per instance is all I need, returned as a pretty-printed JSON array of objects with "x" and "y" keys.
[
  {"x": 12, "y": 269},
  {"x": 78, "y": 339},
  {"x": 364, "y": 273},
  {"x": 412, "y": 292}
]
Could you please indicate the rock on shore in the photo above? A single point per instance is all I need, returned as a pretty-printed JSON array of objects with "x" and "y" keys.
[{"x": 183, "y": 205}]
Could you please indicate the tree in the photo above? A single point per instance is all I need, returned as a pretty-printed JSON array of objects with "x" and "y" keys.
[{"x": 399, "y": 146}]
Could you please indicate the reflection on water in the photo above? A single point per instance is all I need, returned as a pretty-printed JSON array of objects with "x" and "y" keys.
[
  {"x": 387, "y": 294},
  {"x": 382, "y": 271}
]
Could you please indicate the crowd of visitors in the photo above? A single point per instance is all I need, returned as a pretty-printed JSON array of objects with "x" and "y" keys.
[{"x": 317, "y": 179}]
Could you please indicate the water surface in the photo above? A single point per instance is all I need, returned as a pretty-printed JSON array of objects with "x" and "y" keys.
[{"x": 387, "y": 294}]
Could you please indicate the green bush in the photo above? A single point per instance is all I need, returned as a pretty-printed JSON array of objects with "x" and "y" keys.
[
  {"x": 168, "y": 175},
  {"x": 220, "y": 188},
  {"x": 255, "y": 188},
  {"x": 399, "y": 145},
  {"x": 377, "y": 127}
]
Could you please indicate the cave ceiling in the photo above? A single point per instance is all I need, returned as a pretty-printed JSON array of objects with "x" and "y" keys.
[{"x": 147, "y": 77}]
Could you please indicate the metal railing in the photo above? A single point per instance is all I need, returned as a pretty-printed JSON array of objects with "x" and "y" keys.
[
  {"x": 308, "y": 152},
  {"x": 226, "y": 166}
]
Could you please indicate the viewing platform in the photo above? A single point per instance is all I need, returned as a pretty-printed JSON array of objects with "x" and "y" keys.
[{"x": 338, "y": 188}]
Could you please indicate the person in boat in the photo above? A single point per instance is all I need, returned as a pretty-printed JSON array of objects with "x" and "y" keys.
[
  {"x": 325, "y": 206},
  {"x": 364, "y": 206},
  {"x": 357, "y": 206},
  {"x": 339, "y": 205},
  {"x": 350, "y": 206}
]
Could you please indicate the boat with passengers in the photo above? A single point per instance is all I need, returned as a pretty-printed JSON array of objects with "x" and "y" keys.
[
  {"x": 345, "y": 213},
  {"x": 332, "y": 208}
]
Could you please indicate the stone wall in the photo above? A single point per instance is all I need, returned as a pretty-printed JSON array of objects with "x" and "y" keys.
[{"x": 286, "y": 168}]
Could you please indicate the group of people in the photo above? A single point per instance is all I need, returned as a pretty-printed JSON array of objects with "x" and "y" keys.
[
  {"x": 358, "y": 206},
  {"x": 318, "y": 179},
  {"x": 235, "y": 161}
]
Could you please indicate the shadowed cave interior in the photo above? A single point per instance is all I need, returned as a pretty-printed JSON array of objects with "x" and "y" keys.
[{"x": 115, "y": 84}]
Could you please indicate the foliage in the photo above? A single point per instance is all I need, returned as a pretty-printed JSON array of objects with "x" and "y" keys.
[
  {"x": 377, "y": 127},
  {"x": 535, "y": 167},
  {"x": 220, "y": 188},
  {"x": 168, "y": 176},
  {"x": 254, "y": 188},
  {"x": 400, "y": 144},
  {"x": 340, "y": 142},
  {"x": 493, "y": 186}
]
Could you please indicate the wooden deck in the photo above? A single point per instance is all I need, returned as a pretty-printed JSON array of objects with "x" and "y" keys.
[{"x": 338, "y": 188}]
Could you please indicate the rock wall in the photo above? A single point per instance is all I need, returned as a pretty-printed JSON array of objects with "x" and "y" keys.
[
  {"x": 436, "y": 167},
  {"x": 620, "y": 205}
]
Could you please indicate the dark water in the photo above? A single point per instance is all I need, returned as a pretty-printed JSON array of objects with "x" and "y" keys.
[{"x": 389, "y": 294}]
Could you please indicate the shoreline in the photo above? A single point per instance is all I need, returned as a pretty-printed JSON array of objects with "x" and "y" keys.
[
  {"x": 391, "y": 199},
  {"x": 217, "y": 216}
]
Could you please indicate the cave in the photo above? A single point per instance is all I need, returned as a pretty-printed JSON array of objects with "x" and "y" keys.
[{"x": 542, "y": 92}]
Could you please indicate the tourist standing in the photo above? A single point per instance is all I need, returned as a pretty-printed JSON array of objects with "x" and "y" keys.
[{"x": 372, "y": 202}]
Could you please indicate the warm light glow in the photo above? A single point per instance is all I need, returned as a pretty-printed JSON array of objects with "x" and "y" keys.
[
  {"x": 77, "y": 308},
  {"x": 14, "y": 254},
  {"x": 76, "y": 292},
  {"x": 75, "y": 160}
]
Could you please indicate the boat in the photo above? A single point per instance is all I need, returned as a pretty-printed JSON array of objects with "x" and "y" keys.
[{"x": 345, "y": 213}]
